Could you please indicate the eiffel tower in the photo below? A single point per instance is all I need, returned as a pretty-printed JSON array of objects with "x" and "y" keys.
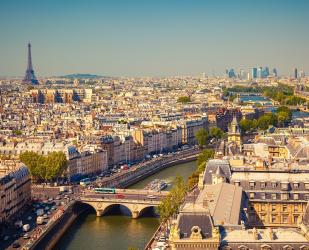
[{"x": 29, "y": 76}]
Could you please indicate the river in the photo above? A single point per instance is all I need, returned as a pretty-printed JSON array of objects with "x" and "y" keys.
[{"x": 118, "y": 232}]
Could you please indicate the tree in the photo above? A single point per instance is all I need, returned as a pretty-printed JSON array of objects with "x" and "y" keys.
[
  {"x": 56, "y": 163},
  {"x": 193, "y": 179},
  {"x": 201, "y": 137},
  {"x": 17, "y": 132},
  {"x": 183, "y": 99},
  {"x": 216, "y": 133},
  {"x": 44, "y": 167},
  {"x": 247, "y": 125},
  {"x": 170, "y": 204},
  {"x": 203, "y": 157}
]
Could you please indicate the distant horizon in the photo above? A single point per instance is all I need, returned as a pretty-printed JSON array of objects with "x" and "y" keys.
[
  {"x": 153, "y": 76},
  {"x": 153, "y": 38}
]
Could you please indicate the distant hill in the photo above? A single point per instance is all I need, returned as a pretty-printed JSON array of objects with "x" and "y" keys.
[{"x": 81, "y": 76}]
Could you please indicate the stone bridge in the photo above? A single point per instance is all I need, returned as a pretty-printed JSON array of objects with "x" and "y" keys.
[{"x": 136, "y": 201}]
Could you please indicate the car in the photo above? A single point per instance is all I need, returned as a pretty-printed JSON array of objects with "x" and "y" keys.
[
  {"x": 26, "y": 236},
  {"x": 58, "y": 197},
  {"x": 16, "y": 245}
]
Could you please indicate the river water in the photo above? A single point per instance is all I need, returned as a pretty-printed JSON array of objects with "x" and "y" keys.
[{"x": 118, "y": 232}]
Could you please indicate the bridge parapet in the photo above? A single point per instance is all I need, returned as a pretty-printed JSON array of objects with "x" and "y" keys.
[{"x": 134, "y": 205}]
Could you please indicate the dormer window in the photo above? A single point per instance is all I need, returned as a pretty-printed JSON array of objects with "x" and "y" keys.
[
  {"x": 295, "y": 185},
  {"x": 284, "y": 185}
]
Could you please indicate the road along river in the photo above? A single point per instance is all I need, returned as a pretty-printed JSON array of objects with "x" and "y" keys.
[{"x": 115, "y": 231}]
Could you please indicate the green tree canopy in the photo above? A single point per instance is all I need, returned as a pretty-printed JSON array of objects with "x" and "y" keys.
[
  {"x": 216, "y": 133},
  {"x": 170, "y": 204},
  {"x": 183, "y": 99},
  {"x": 202, "y": 137},
  {"x": 44, "y": 167},
  {"x": 17, "y": 132},
  {"x": 203, "y": 157},
  {"x": 247, "y": 125}
]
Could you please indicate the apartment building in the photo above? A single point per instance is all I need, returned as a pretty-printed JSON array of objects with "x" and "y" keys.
[{"x": 15, "y": 189}]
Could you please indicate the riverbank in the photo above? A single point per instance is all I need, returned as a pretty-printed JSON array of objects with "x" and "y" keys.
[
  {"x": 142, "y": 170},
  {"x": 60, "y": 236},
  {"x": 51, "y": 236},
  {"x": 115, "y": 231}
]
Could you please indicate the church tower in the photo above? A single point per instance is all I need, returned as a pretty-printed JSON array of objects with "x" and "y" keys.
[{"x": 234, "y": 134}]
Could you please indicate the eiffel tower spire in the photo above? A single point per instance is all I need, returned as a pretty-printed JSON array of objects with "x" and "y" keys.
[{"x": 29, "y": 76}]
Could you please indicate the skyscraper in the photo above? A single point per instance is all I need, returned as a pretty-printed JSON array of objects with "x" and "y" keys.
[
  {"x": 302, "y": 74},
  {"x": 295, "y": 73},
  {"x": 275, "y": 72},
  {"x": 254, "y": 73},
  {"x": 260, "y": 72},
  {"x": 266, "y": 72},
  {"x": 29, "y": 76}
]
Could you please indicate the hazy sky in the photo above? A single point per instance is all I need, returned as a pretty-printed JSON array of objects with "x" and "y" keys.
[{"x": 153, "y": 37}]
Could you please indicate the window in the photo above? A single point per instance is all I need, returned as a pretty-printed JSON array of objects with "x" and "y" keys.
[
  {"x": 296, "y": 208},
  {"x": 285, "y": 218},
  {"x": 237, "y": 183},
  {"x": 274, "y": 196},
  {"x": 295, "y": 185},
  {"x": 307, "y": 185},
  {"x": 295, "y": 218},
  {"x": 284, "y": 196},
  {"x": 252, "y": 184},
  {"x": 263, "y": 196},
  {"x": 263, "y": 207},
  {"x": 252, "y": 195},
  {"x": 273, "y": 218},
  {"x": 263, "y": 217},
  {"x": 284, "y": 185},
  {"x": 263, "y": 184},
  {"x": 296, "y": 196},
  {"x": 273, "y": 208},
  {"x": 273, "y": 184},
  {"x": 284, "y": 208}
]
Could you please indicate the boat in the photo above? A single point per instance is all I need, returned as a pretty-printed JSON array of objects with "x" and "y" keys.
[{"x": 156, "y": 185}]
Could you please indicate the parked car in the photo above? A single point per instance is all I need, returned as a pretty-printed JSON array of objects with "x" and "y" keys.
[
  {"x": 26, "y": 227},
  {"x": 16, "y": 245},
  {"x": 120, "y": 196},
  {"x": 26, "y": 236}
]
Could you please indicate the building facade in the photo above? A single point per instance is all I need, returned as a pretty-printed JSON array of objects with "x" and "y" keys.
[{"x": 15, "y": 191}]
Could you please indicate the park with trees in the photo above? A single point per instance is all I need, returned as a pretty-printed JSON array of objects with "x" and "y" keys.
[{"x": 44, "y": 168}]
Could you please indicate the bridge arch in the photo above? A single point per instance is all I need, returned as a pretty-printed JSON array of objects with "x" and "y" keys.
[
  {"x": 126, "y": 210},
  {"x": 148, "y": 210},
  {"x": 134, "y": 209}
]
